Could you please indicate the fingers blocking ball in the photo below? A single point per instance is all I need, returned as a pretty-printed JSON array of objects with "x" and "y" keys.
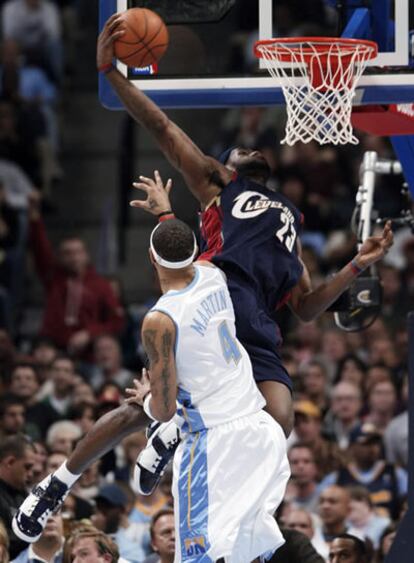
[{"x": 145, "y": 39}]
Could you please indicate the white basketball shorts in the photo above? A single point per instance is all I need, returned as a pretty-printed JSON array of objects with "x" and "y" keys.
[{"x": 228, "y": 482}]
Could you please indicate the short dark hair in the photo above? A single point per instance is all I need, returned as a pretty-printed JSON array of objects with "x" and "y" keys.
[
  {"x": 319, "y": 364},
  {"x": 43, "y": 341},
  {"x": 360, "y": 494},
  {"x": 15, "y": 446},
  {"x": 302, "y": 446},
  {"x": 61, "y": 356},
  {"x": 361, "y": 547},
  {"x": 10, "y": 400},
  {"x": 78, "y": 410},
  {"x": 26, "y": 365},
  {"x": 157, "y": 516},
  {"x": 173, "y": 240}
]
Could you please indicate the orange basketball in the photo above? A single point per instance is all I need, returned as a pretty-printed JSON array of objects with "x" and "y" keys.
[{"x": 145, "y": 39}]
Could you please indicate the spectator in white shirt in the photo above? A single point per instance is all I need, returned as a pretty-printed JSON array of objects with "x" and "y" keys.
[
  {"x": 35, "y": 25},
  {"x": 363, "y": 522},
  {"x": 49, "y": 547}
]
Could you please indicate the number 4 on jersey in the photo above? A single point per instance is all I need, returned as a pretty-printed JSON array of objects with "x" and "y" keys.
[{"x": 228, "y": 344}]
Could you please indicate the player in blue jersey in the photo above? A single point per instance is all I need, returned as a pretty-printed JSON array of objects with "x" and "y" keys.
[{"x": 251, "y": 233}]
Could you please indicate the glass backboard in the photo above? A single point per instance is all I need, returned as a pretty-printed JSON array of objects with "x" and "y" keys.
[{"x": 210, "y": 62}]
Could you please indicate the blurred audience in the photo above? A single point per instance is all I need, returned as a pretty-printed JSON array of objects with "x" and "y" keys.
[
  {"x": 17, "y": 459},
  {"x": 12, "y": 416},
  {"x": 334, "y": 504},
  {"x": 107, "y": 360},
  {"x": 4, "y": 544},
  {"x": 363, "y": 521},
  {"x": 49, "y": 547},
  {"x": 111, "y": 517},
  {"x": 308, "y": 431},
  {"x": 304, "y": 477},
  {"x": 344, "y": 415},
  {"x": 396, "y": 434},
  {"x": 80, "y": 304},
  {"x": 386, "y": 541},
  {"x": 347, "y": 548},
  {"x": 162, "y": 532},
  {"x": 92, "y": 545},
  {"x": 35, "y": 25},
  {"x": 62, "y": 437},
  {"x": 386, "y": 483}
]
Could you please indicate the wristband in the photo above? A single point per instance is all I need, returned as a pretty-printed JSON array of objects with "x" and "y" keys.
[
  {"x": 165, "y": 216},
  {"x": 106, "y": 68},
  {"x": 146, "y": 406},
  {"x": 355, "y": 268}
]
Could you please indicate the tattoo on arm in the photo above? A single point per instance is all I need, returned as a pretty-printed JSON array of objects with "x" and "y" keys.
[
  {"x": 150, "y": 348},
  {"x": 165, "y": 374},
  {"x": 155, "y": 356}
]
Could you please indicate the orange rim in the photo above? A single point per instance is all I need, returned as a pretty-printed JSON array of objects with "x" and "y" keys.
[{"x": 286, "y": 49}]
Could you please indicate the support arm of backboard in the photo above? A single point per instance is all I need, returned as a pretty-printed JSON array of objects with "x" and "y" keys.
[
  {"x": 381, "y": 29},
  {"x": 359, "y": 24},
  {"x": 404, "y": 150},
  {"x": 374, "y": 23}
]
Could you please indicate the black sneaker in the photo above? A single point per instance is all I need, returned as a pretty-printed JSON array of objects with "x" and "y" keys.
[
  {"x": 45, "y": 499},
  {"x": 152, "y": 461}
]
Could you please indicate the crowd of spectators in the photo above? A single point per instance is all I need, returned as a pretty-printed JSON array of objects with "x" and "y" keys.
[
  {"x": 32, "y": 63},
  {"x": 349, "y": 448}
]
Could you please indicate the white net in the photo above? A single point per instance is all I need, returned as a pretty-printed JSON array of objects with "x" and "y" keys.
[{"x": 318, "y": 80}]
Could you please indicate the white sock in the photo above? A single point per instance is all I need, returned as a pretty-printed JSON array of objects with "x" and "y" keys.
[{"x": 66, "y": 476}]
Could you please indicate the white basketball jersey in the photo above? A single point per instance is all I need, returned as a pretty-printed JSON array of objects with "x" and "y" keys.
[{"x": 214, "y": 372}]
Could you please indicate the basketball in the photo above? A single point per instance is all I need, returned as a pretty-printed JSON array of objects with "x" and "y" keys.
[{"x": 145, "y": 39}]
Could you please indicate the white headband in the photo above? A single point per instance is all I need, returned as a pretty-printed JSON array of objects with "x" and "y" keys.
[{"x": 167, "y": 263}]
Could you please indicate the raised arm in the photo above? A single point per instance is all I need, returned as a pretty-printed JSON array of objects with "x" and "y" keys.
[
  {"x": 45, "y": 261},
  {"x": 308, "y": 303},
  {"x": 204, "y": 175}
]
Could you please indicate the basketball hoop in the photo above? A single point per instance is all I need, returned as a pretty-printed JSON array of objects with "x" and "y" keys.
[{"x": 318, "y": 76}]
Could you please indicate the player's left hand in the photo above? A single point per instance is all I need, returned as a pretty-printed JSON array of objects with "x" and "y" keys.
[
  {"x": 375, "y": 248},
  {"x": 158, "y": 199},
  {"x": 140, "y": 389}
]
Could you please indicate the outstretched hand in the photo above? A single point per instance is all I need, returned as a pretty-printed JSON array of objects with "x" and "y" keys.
[
  {"x": 111, "y": 31},
  {"x": 141, "y": 388},
  {"x": 158, "y": 200},
  {"x": 375, "y": 248}
]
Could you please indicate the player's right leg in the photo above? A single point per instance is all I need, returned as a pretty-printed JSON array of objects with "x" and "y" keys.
[
  {"x": 260, "y": 336},
  {"x": 48, "y": 496},
  {"x": 279, "y": 403}
]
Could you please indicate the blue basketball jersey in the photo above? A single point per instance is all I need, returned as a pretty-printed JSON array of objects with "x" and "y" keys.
[{"x": 250, "y": 232}]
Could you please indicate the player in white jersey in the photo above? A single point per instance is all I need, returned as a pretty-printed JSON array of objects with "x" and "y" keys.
[{"x": 230, "y": 469}]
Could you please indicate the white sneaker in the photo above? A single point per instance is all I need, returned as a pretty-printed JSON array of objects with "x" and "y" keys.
[
  {"x": 152, "y": 461},
  {"x": 45, "y": 499}
]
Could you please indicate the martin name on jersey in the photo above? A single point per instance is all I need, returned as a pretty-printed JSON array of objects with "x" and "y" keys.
[{"x": 214, "y": 372}]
